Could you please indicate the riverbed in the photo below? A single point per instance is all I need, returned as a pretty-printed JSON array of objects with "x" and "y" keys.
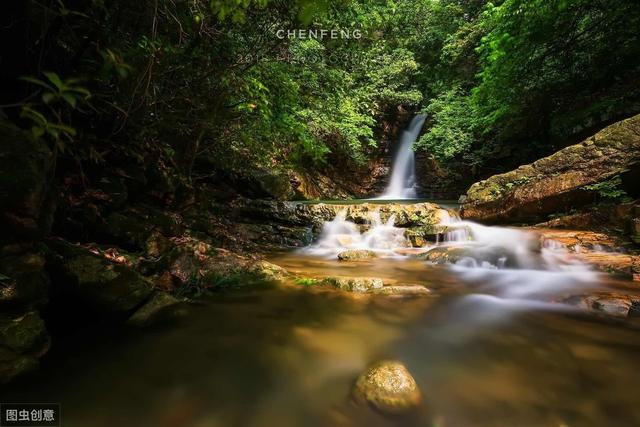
[{"x": 288, "y": 355}]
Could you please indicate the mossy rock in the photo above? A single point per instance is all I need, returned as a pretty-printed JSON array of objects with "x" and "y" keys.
[
  {"x": 108, "y": 287},
  {"x": 23, "y": 339},
  {"x": 564, "y": 180},
  {"x": 354, "y": 284}
]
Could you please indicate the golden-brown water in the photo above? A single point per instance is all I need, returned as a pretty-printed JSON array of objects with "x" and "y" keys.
[{"x": 288, "y": 356}]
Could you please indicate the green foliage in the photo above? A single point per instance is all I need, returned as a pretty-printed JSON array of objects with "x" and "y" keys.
[
  {"x": 454, "y": 126},
  {"x": 610, "y": 190},
  {"x": 207, "y": 82},
  {"x": 59, "y": 99}
]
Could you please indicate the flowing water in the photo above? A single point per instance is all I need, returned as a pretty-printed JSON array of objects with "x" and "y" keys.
[
  {"x": 489, "y": 346},
  {"x": 403, "y": 174}
]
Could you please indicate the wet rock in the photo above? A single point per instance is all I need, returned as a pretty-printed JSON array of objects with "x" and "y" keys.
[
  {"x": 580, "y": 241},
  {"x": 157, "y": 305},
  {"x": 445, "y": 254},
  {"x": 108, "y": 287},
  {"x": 560, "y": 181},
  {"x": 495, "y": 256},
  {"x": 356, "y": 255},
  {"x": 388, "y": 387},
  {"x": 403, "y": 290},
  {"x": 354, "y": 284},
  {"x": 621, "y": 265},
  {"x": 23, "y": 339},
  {"x": 612, "y": 304}
]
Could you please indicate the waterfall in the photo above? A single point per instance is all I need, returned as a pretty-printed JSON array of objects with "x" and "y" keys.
[{"x": 403, "y": 179}]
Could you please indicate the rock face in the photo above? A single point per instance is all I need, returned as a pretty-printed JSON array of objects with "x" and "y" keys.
[
  {"x": 389, "y": 387},
  {"x": 561, "y": 181},
  {"x": 25, "y": 185}
]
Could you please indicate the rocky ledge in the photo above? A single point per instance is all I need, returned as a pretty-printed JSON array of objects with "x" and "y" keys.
[{"x": 567, "y": 179}]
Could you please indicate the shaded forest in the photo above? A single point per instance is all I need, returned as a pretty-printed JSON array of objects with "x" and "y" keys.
[{"x": 201, "y": 89}]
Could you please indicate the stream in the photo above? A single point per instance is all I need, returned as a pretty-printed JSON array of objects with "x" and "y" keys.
[
  {"x": 492, "y": 342},
  {"x": 489, "y": 346}
]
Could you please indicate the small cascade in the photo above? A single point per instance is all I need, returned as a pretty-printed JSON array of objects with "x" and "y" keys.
[
  {"x": 340, "y": 234},
  {"x": 506, "y": 262},
  {"x": 403, "y": 174}
]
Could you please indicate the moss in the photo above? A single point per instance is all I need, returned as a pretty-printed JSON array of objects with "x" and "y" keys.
[{"x": 306, "y": 281}]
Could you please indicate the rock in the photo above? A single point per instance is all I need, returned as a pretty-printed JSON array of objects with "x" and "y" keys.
[
  {"x": 354, "y": 284},
  {"x": 26, "y": 199},
  {"x": 558, "y": 182},
  {"x": 580, "y": 241},
  {"x": 302, "y": 213},
  {"x": 157, "y": 245},
  {"x": 612, "y": 304},
  {"x": 262, "y": 184},
  {"x": 388, "y": 387},
  {"x": 356, "y": 255},
  {"x": 25, "y": 283},
  {"x": 23, "y": 339},
  {"x": 403, "y": 290},
  {"x": 623, "y": 265},
  {"x": 153, "y": 309},
  {"x": 109, "y": 288},
  {"x": 134, "y": 227},
  {"x": 445, "y": 254}
]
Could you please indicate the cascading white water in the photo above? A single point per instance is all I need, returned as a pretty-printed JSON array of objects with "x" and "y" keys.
[
  {"x": 403, "y": 178},
  {"x": 339, "y": 235},
  {"x": 509, "y": 263}
]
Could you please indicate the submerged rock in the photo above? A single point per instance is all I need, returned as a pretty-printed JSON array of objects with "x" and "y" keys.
[
  {"x": 388, "y": 386},
  {"x": 356, "y": 254},
  {"x": 354, "y": 284},
  {"x": 561, "y": 181}
]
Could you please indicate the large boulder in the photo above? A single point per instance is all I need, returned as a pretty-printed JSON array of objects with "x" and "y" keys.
[
  {"x": 567, "y": 179},
  {"x": 389, "y": 387},
  {"x": 26, "y": 202},
  {"x": 99, "y": 284}
]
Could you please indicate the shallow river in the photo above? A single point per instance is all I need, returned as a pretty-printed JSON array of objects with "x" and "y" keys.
[{"x": 288, "y": 356}]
